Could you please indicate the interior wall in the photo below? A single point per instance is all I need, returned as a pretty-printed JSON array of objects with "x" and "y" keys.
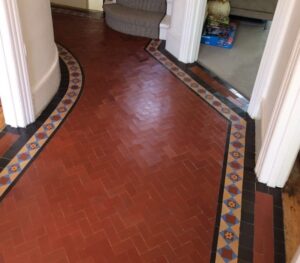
[
  {"x": 85, "y": 4},
  {"x": 42, "y": 54},
  {"x": 174, "y": 35},
  {"x": 72, "y": 3},
  {"x": 95, "y": 5}
]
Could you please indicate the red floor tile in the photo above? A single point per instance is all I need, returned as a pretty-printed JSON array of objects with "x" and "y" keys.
[
  {"x": 263, "y": 228},
  {"x": 133, "y": 174},
  {"x": 6, "y": 141}
]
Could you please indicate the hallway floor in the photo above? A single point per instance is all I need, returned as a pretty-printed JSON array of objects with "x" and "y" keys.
[{"x": 148, "y": 167}]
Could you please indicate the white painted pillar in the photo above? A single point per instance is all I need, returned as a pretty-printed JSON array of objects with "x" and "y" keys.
[
  {"x": 277, "y": 51},
  {"x": 184, "y": 35},
  {"x": 29, "y": 62},
  {"x": 15, "y": 89},
  {"x": 42, "y": 54},
  {"x": 95, "y": 5}
]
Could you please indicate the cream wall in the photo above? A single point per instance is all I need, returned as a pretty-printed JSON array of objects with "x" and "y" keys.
[
  {"x": 95, "y": 5},
  {"x": 41, "y": 51},
  {"x": 183, "y": 35},
  {"x": 85, "y": 4}
]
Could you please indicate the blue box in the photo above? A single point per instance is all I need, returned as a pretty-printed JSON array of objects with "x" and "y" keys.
[{"x": 224, "y": 42}]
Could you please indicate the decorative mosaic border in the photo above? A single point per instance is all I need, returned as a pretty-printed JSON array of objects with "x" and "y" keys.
[
  {"x": 37, "y": 141},
  {"x": 227, "y": 249}
]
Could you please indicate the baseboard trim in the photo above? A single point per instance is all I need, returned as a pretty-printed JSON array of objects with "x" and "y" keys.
[
  {"x": 47, "y": 87},
  {"x": 78, "y": 9}
]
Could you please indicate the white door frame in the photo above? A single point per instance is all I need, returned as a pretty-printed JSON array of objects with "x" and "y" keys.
[
  {"x": 15, "y": 89},
  {"x": 184, "y": 34},
  {"x": 274, "y": 45},
  {"x": 282, "y": 141},
  {"x": 192, "y": 30}
]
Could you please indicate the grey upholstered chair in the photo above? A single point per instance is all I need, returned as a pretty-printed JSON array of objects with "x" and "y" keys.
[{"x": 135, "y": 17}]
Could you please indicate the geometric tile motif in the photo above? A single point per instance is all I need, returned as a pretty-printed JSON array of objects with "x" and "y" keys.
[
  {"x": 229, "y": 235},
  {"x": 227, "y": 254},
  {"x": 229, "y": 229},
  {"x": 33, "y": 146},
  {"x": 233, "y": 190},
  {"x": 230, "y": 219}
]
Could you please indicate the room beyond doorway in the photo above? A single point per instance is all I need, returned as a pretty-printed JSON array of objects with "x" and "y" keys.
[{"x": 238, "y": 66}]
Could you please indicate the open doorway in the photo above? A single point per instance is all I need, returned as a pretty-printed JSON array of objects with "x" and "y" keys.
[{"x": 238, "y": 66}]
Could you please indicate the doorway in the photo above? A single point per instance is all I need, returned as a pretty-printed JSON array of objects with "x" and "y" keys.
[
  {"x": 238, "y": 65},
  {"x": 242, "y": 61}
]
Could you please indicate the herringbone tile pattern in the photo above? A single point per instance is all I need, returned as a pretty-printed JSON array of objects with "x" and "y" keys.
[{"x": 133, "y": 175}]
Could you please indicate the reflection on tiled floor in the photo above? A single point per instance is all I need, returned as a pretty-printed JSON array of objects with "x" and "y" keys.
[{"x": 149, "y": 167}]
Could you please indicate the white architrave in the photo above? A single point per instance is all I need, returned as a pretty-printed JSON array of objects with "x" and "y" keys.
[
  {"x": 275, "y": 42},
  {"x": 192, "y": 29},
  {"x": 184, "y": 35},
  {"x": 282, "y": 142},
  {"x": 15, "y": 87}
]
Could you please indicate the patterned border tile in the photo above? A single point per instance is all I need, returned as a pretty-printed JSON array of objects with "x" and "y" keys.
[
  {"x": 37, "y": 141},
  {"x": 227, "y": 249}
]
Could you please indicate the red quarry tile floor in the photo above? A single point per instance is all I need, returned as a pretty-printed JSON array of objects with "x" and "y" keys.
[
  {"x": 132, "y": 175},
  {"x": 6, "y": 141},
  {"x": 263, "y": 232}
]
